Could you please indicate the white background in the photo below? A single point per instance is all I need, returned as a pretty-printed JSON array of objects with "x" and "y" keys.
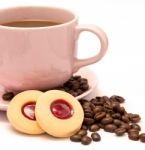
[{"x": 121, "y": 71}]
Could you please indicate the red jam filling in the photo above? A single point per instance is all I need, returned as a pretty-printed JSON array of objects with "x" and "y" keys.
[
  {"x": 61, "y": 109},
  {"x": 28, "y": 110}
]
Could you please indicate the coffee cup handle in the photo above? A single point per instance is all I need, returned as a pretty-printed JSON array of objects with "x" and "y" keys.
[{"x": 103, "y": 45}]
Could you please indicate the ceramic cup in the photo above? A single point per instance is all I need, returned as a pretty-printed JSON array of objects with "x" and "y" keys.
[{"x": 42, "y": 57}]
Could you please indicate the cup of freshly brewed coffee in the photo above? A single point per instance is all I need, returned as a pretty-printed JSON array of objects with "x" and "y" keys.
[{"x": 38, "y": 47}]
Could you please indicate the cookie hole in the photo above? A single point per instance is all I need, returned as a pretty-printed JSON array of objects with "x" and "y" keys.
[
  {"x": 28, "y": 110},
  {"x": 61, "y": 109}
]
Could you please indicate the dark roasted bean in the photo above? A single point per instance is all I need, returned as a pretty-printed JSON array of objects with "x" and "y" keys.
[
  {"x": 79, "y": 91},
  {"x": 110, "y": 127},
  {"x": 99, "y": 101},
  {"x": 82, "y": 132},
  {"x": 136, "y": 127},
  {"x": 117, "y": 122},
  {"x": 105, "y": 99},
  {"x": 134, "y": 118},
  {"x": 133, "y": 136},
  {"x": 117, "y": 98},
  {"x": 84, "y": 127},
  {"x": 116, "y": 116},
  {"x": 100, "y": 125},
  {"x": 85, "y": 87},
  {"x": 88, "y": 110},
  {"x": 75, "y": 94},
  {"x": 142, "y": 137},
  {"x": 94, "y": 128},
  {"x": 97, "y": 109},
  {"x": 106, "y": 120},
  {"x": 133, "y": 131},
  {"x": 121, "y": 110},
  {"x": 99, "y": 115},
  {"x": 125, "y": 118},
  {"x": 88, "y": 121},
  {"x": 92, "y": 106},
  {"x": 96, "y": 137},
  {"x": 88, "y": 115},
  {"x": 82, "y": 101},
  {"x": 86, "y": 140},
  {"x": 126, "y": 126},
  {"x": 8, "y": 96},
  {"x": 120, "y": 131},
  {"x": 86, "y": 104},
  {"x": 115, "y": 105},
  {"x": 76, "y": 138}
]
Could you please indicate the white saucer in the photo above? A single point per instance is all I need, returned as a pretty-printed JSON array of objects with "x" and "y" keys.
[{"x": 84, "y": 72}]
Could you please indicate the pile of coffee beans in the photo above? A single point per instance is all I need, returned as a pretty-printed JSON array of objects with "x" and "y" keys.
[
  {"x": 76, "y": 86},
  {"x": 107, "y": 114}
]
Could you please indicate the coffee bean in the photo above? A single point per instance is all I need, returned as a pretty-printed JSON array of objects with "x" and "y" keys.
[
  {"x": 88, "y": 121},
  {"x": 115, "y": 105},
  {"x": 117, "y": 122},
  {"x": 76, "y": 85},
  {"x": 87, "y": 109},
  {"x": 133, "y": 136},
  {"x": 76, "y": 138},
  {"x": 96, "y": 137},
  {"x": 85, "y": 87},
  {"x": 92, "y": 106},
  {"x": 88, "y": 115},
  {"x": 97, "y": 109},
  {"x": 82, "y": 101},
  {"x": 121, "y": 110},
  {"x": 98, "y": 101},
  {"x": 84, "y": 127},
  {"x": 117, "y": 98},
  {"x": 99, "y": 115},
  {"x": 83, "y": 81},
  {"x": 110, "y": 128},
  {"x": 94, "y": 128},
  {"x": 142, "y": 137},
  {"x": 135, "y": 131},
  {"x": 134, "y": 118},
  {"x": 126, "y": 126},
  {"x": 116, "y": 116},
  {"x": 105, "y": 99},
  {"x": 136, "y": 127},
  {"x": 106, "y": 120},
  {"x": 120, "y": 131},
  {"x": 79, "y": 91},
  {"x": 125, "y": 118},
  {"x": 74, "y": 94},
  {"x": 86, "y": 104},
  {"x": 100, "y": 125},
  {"x": 94, "y": 101},
  {"x": 8, "y": 96},
  {"x": 108, "y": 115},
  {"x": 86, "y": 140},
  {"x": 82, "y": 132}
]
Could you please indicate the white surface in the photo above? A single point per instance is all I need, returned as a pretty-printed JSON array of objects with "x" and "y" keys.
[
  {"x": 120, "y": 72},
  {"x": 83, "y": 72}
]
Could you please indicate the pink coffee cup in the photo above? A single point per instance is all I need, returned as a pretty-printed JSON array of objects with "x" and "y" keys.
[{"x": 42, "y": 57}]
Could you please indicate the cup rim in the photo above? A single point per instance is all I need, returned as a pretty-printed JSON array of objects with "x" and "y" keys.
[{"x": 43, "y": 27}]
